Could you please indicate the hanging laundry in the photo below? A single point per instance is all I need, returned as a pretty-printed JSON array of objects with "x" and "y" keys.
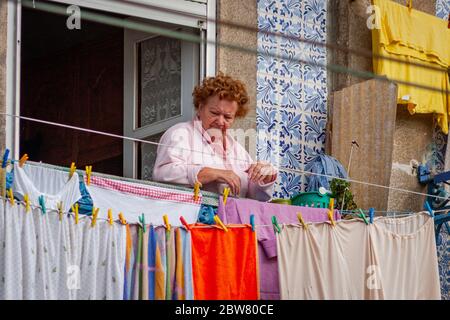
[
  {"x": 239, "y": 211},
  {"x": 324, "y": 165},
  {"x": 133, "y": 199},
  {"x": 54, "y": 185},
  {"x": 389, "y": 259},
  {"x": 414, "y": 37},
  {"x": 44, "y": 258},
  {"x": 224, "y": 263},
  {"x": 162, "y": 269}
]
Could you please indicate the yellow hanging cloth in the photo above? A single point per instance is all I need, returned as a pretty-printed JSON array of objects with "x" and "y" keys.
[{"x": 416, "y": 37}]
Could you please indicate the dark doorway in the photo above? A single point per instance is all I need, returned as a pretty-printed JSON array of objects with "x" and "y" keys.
[{"x": 74, "y": 77}]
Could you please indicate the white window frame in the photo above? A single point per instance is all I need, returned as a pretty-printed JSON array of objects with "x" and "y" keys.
[{"x": 163, "y": 10}]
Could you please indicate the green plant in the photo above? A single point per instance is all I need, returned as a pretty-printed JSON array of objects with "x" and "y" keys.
[{"x": 340, "y": 190}]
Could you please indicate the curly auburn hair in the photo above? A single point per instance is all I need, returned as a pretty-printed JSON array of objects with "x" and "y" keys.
[{"x": 226, "y": 88}]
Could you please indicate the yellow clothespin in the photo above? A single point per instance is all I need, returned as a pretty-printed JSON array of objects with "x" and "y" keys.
[
  {"x": 11, "y": 196},
  {"x": 197, "y": 186},
  {"x": 166, "y": 222},
  {"x": 26, "y": 199},
  {"x": 94, "y": 216},
  {"x": 60, "y": 210},
  {"x": 88, "y": 174},
  {"x": 332, "y": 204},
  {"x": 23, "y": 160},
  {"x": 409, "y": 4},
  {"x": 75, "y": 211},
  {"x": 300, "y": 218},
  {"x": 226, "y": 192},
  {"x": 330, "y": 216},
  {"x": 72, "y": 169},
  {"x": 122, "y": 219},
  {"x": 110, "y": 217},
  {"x": 220, "y": 223}
]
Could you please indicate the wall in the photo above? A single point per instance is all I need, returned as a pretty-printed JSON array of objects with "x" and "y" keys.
[
  {"x": 3, "y": 41},
  {"x": 291, "y": 96}
]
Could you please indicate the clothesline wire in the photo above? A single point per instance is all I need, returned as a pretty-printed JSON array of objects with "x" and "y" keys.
[
  {"x": 141, "y": 26},
  {"x": 197, "y": 151},
  {"x": 84, "y": 217}
]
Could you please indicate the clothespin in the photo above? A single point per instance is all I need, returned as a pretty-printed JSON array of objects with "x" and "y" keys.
[
  {"x": 332, "y": 204},
  {"x": 122, "y": 219},
  {"x": 166, "y": 222},
  {"x": 88, "y": 175},
  {"x": 26, "y": 199},
  {"x": 142, "y": 221},
  {"x": 330, "y": 216},
  {"x": 197, "y": 186},
  {"x": 23, "y": 160},
  {"x": 371, "y": 214},
  {"x": 75, "y": 211},
  {"x": 94, "y": 216},
  {"x": 449, "y": 20},
  {"x": 72, "y": 169},
  {"x": 110, "y": 217},
  {"x": 5, "y": 158},
  {"x": 184, "y": 222},
  {"x": 276, "y": 227},
  {"x": 300, "y": 218},
  {"x": 60, "y": 211},
  {"x": 220, "y": 223},
  {"x": 409, "y": 4},
  {"x": 42, "y": 204},
  {"x": 11, "y": 196},
  {"x": 363, "y": 216},
  {"x": 226, "y": 192},
  {"x": 252, "y": 222},
  {"x": 428, "y": 207}
]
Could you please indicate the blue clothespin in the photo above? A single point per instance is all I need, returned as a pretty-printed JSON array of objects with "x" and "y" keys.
[
  {"x": 276, "y": 227},
  {"x": 142, "y": 221},
  {"x": 428, "y": 208},
  {"x": 252, "y": 222},
  {"x": 371, "y": 214},
  {"x": 42, "y": 204},
  {"x": 5, "y": 158}
]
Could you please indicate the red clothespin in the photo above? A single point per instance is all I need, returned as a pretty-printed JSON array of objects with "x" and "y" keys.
[
  {"x": 185, "y": 224},
  {"x": 449, "y": 20}
]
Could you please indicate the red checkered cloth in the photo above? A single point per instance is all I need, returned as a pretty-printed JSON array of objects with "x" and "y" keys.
[{"x": 144, "y": 191}]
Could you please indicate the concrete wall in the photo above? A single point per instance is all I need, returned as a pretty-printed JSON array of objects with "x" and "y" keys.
[
  {"x": 236, "y": 63},
  {"x": 3, "y": 33},
  {"x": 413, "y": 134}
]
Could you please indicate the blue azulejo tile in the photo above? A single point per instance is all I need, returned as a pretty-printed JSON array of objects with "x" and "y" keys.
[
  {"x": 290, "y": 153},
  {"x": 288, "y": 184},
  {"x": 314, "y": 33},
  {"x": 289, "y": 27},
  {"x": 442, "y": 8},
  {"x": 314, "y": 72},
  {"x": 315, "y": 99},
  {"x": 267, "y": 61},
  {"x": 310, "y": 152},
  {"x": 290, "y": 124},
  {"x": 266, "y": 90},
  {"x": 289, "y": 65},
  {"x": 290, "y": 94},
  {"x": 290, "y": 8},
  {"x": 314, "y": 129},
  {"x": 315, "y": 11},
  {"x": 266, "y": 118},
  {"x": 267, "y": 6},
  {"x": 267, "y": 22}
]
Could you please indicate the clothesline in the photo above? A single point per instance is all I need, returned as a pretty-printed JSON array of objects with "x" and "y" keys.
[{"x": 201, "y": 152}]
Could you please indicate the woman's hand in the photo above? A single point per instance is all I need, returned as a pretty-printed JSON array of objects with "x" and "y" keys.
[
  {"x": 262, "y": 173},
  {"x": 207, "y": 175}
]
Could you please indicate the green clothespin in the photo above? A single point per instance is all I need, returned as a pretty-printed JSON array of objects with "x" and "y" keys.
[
  {"x": 363, "y": 216},
  {"x": 42, "y": 204},
  {"x": 142, "y": 221},
  {"x": 276, "y": 227}
]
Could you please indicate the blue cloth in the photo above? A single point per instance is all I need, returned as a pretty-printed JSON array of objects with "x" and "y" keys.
[
  {"x": 9, "y": 179},
  {"x": 206, "y": 214},
  {"x": 85, "y": 203},
  {"x": 323, "y": 164}
]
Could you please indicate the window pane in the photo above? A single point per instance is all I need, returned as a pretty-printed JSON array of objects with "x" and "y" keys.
[
  {"x": 159, "y": 80},
  {"x": 147, "y": 157}
]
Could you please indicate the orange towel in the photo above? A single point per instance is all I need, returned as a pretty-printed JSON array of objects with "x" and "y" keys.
[{"x": 224, "y": 264}]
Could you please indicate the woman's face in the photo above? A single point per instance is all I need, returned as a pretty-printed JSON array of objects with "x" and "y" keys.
[{"x": 216, "y": 113}]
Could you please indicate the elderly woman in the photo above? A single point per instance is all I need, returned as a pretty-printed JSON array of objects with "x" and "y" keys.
[{"x": 202, "y": 150}]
